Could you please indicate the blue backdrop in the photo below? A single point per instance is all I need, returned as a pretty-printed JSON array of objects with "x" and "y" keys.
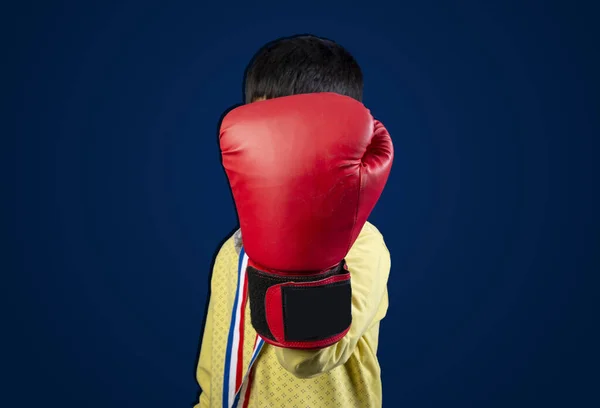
[{"x": 116, "y": 200}]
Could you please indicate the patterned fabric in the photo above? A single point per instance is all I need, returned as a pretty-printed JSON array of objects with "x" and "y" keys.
[{"x": 346, "y": 374}]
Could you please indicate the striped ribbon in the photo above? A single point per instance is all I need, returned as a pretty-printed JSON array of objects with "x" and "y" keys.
[{"x": 234, "y": 356}]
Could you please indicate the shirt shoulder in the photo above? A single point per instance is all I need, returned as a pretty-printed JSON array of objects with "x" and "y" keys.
[
  {"x": 369, "y": 244},
  {"x": 225, "y": 265},
  {"x": 371, "y": 230}
]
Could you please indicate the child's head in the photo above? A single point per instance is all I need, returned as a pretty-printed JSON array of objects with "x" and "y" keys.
[{"x": 302, "y": 64}]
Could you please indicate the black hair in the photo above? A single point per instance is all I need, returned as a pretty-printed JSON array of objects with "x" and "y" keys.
[{"x": 302, "y": 64}]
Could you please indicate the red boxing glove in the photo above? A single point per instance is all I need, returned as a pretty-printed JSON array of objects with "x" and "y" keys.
[{"x": 306, "y": 171}]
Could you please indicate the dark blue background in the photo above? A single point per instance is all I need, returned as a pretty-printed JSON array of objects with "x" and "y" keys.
[{"x": 117, "y": 202}]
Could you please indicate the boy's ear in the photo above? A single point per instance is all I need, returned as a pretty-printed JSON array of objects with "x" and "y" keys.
[{"x": 260, "y": 98}]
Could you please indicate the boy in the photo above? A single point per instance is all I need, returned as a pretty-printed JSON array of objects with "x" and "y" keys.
[{"x": 233, "y": 357}]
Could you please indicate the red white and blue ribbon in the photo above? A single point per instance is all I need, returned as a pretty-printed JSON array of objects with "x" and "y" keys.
[{"x": 234, "y": 354}]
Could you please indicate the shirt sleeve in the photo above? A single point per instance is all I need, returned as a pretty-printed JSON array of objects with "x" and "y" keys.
[
  {"x": 369, "y": 264},
  {"x": 203, "y": 370}
]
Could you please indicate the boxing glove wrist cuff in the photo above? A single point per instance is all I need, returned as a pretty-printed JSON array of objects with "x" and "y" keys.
[{"x": 306, "y": 311}]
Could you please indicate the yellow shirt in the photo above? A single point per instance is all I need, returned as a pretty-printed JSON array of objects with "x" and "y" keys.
[{"x": 346, "y": 374}]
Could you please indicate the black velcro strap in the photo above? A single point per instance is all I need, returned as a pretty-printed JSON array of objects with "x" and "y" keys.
[
  {"x": 310, "y": 313},
  {"x": 316, "y": 313}
]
